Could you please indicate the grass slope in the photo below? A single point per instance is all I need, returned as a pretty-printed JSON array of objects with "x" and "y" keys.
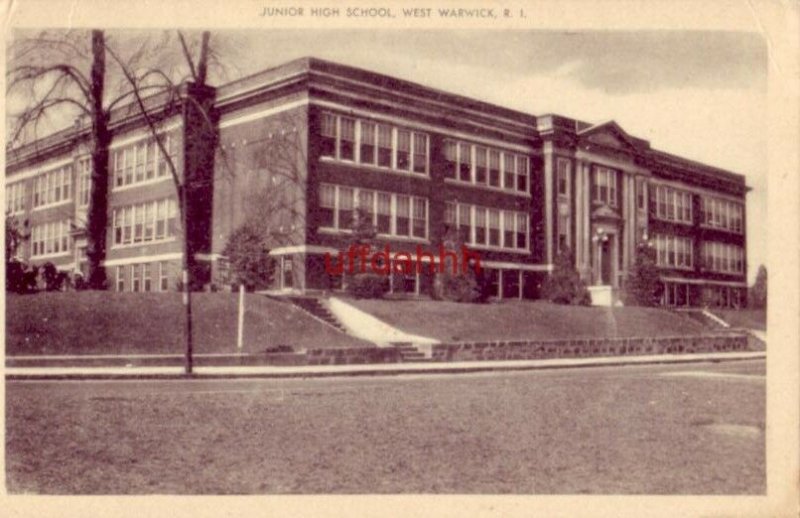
[
  {"x": 515, "y": 320},
  {"x": 106, "y": 323},
  {"x": 747, "y": 318}
]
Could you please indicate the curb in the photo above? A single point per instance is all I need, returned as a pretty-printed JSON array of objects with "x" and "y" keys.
[{"x": 272, "y": 372}]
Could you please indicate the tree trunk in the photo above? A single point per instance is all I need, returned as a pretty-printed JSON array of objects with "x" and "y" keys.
[{"x": 101, "y": 138}]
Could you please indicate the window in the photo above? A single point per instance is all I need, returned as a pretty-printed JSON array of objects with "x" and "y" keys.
[
  {"x": 345, "y": 207},
  {"x": 641, "y": 193},
  {"x": 562, "y": 179},
  {"x": 480, "y": 226},
  {"x": 84, "y": 182},
  {"x": 50, "y": 238},
  {"x": 486, "y": 227},
  {"x": 724, "y": 214},
  {"x": 481, "y": 165},
  {"x": 522, "y": 231},
  {"x": 464, "y": 162},
  {"x": 604, "y": 187},
  {"x": 142, "y": 161},
  {"x": 522, "y": 173},
  {"x": 135, "y": 282},
  {"x": 494, "y": 168},
  {"x": 384, "y": 225},
  {"x": 366, "y": 204},
  {"x": 509, "y": 170},
  {"x": 420, "y": 218},
  {"x": 328, "y": 135},
  {"x": 403, "y": 150},
  {"x": 141, "y": 158},
  {"x": 674, "y": 251},
  {"x": 52, "y": 187},
  {"x": 509, "y": 237},
  {"x": 368, "y": 136},
  {"x": 384, "y": 145},
  {"x": 406, "y": 150},
  {"x": 451, "y": 157},
  {"x": 347, "y": 141},
  {"x": 673, "y": 205},
  {"x": 146, "y": 280},
  {"x": 392, "y": 214},
  {"x": 145, "y": 222},
  {"x": 403, "y": 221},
  {"x": 420, "y": 153},
  {"x": 120, "y": 278},
  {"x": 163, "y": 276},
  {"x": 15, "y": 197},
  {"x": 494, "y": 227},
  {"x": 327, "y": 202},
  {"x": 464, "y": 223},
  {"x": 723, "y": 258}
]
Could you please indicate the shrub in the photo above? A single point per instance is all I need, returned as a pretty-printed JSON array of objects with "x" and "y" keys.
[
  {"x": 462, "y": 286},
  {"x": 643, "y": 286},
  {"x": 250, "y": 263},
  {"x": 368, "y": 285},
  {"x": 564, "y": 284},
  {"x": 50, "y": 276}
]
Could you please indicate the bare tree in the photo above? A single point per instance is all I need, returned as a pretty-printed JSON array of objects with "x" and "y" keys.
[
  {"x": 55, "y": 76},
  {"x": 48, "y": 70}
]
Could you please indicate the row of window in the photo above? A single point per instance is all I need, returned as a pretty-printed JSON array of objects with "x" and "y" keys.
[
  {"x": 486, "y": 227},
  {"x": 52, "y": 187},
  {"x": 674, "y": 251},
  {"x": 604, "y": 186},
  {"x": 673, "y": 204},
  {"x": 374, "y": 143},
  {"x": 143, "y": 277},
  {"x": 563, "y": 170},
  {"x": 480, "y": 165},
  {"x": 142, "y": 161},
  {"x": 391, "y": 214},
  {"x": 723, "y": 214},
  {"x": 15, "y": 197},
  {"x": 145, "y": 222},
  {"x": 50, "y": 238},
  {"x": 723, "y": 258}
]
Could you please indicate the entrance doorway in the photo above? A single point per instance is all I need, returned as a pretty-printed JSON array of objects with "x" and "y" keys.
[{"x": 606, "y": 262}]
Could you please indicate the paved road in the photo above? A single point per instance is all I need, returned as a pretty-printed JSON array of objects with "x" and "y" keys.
[{"x": 694, "y": 428}]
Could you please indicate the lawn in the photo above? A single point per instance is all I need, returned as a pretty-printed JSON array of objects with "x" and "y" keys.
[
  {"x": 107, "y": 322},
  {"x": 747, "y": 318},
  {"x": 601, "y": 431},
  {"x": 516, "y": 320}
]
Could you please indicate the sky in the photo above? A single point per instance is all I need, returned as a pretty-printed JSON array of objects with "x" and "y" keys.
[{"x": 698, "y": 94}]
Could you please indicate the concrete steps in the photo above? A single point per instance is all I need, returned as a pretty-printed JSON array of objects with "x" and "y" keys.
[
  {"x": 409, "y": 353},
  {"x": 317, "y": 309}
]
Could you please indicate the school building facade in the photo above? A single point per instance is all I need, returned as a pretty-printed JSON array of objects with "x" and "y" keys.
[{"x": 302, "y": 146}]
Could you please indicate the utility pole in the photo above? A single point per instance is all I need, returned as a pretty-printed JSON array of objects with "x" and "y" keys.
[{"x": 187, "y": 292}]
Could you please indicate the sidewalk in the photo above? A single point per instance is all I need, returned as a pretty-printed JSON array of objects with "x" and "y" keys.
[{"x": 385, "y": 369}]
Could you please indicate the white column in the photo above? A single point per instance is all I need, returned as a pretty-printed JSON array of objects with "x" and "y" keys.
[
  {"x": 548, "y": 200},
  {"x": 587, "y": 212}
]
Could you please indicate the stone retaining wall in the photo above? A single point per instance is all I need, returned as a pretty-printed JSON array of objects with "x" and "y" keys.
[
  {"x": 545, "y": 349},
  {"x": 352, "y": 356}
]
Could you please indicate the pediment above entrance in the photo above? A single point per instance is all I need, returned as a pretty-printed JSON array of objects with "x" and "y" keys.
[
  {"x": 608, "y": 135},
  {"x": 604, "y": 212}
]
